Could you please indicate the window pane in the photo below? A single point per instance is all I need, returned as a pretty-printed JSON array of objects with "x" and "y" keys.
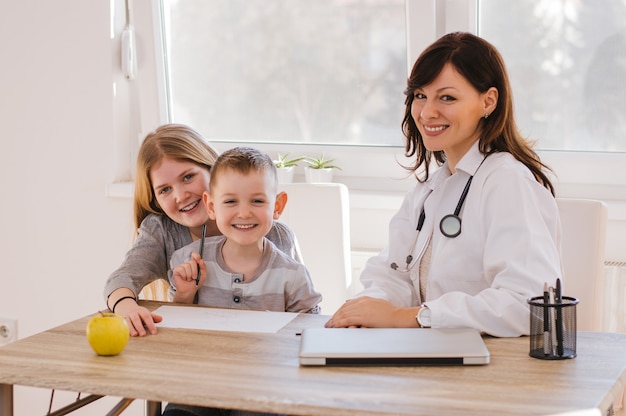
[
  {"x": 567, "y": 63},
  {"x": 299, "y": 71}
]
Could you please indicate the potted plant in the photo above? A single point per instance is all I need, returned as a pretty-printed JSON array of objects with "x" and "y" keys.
[
  {"x": 285, "y": 167},
  {"x": 319, "y": 169}
]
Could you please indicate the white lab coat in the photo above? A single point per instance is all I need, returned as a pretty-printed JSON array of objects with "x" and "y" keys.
[{"x": 509, "y": 246}]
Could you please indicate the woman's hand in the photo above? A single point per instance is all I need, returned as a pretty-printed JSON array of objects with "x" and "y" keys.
[
  {"x": 185, "y": 278},
  {"x": 139, "y": 318},
  {"x": 374, "y": 313}
]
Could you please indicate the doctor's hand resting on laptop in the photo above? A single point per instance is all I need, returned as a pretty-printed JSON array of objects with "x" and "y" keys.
[{"x": 477, "y": 237}]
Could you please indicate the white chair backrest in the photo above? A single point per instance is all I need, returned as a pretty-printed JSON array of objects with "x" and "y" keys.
[
  {"x": 319, "y": 215},
  {"x": 583, "y": 225}
]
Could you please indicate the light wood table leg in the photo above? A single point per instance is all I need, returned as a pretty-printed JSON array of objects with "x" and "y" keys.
[{"x": 6, "y": 400}]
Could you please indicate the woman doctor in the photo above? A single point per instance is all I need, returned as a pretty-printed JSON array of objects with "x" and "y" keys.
[{"x": 478, "y": 236}]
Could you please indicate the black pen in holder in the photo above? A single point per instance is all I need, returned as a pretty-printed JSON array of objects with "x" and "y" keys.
[{"x": 554, "y": 339}]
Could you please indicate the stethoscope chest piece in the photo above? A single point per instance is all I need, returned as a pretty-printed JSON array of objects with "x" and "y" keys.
[{"x": 450, "y": 225}]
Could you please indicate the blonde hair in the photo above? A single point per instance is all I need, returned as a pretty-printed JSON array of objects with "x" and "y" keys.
[
  {"x": 244, "y": 160},
  {"x": 174, "y": 141}
]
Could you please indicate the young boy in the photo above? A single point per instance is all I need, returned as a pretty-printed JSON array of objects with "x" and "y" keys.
[{"x": 243, "y": 269}]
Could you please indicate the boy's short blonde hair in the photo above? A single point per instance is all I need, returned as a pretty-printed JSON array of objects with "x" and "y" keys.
[{"x": 243, "y": 160}]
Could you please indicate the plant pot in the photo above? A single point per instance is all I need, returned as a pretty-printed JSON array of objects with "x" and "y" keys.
[
  {"x": 318, "y": 175},
  {"x": 285, "y": 175}
]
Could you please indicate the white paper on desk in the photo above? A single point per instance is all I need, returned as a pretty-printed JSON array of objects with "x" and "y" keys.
[{"x": 216, "y": 319}]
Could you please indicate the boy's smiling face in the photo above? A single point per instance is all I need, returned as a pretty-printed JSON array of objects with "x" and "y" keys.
[{"x": 243, "y": 205}]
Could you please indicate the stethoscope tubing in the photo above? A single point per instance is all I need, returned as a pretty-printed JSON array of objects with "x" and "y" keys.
[{"x": 450, "y": 225}]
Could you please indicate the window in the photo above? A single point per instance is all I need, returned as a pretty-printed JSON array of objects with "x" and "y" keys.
[
  {"x": 567, "y": 63},
  {"x": 333, "y": 71},
  {"x": 568, "y": 83},
  {"x": 295, "y": 71}
]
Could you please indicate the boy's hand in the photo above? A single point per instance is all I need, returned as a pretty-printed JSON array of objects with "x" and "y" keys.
[{"x": 185, "y": 278}]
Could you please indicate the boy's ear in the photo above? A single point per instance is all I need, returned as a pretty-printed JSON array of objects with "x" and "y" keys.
[
  {"x": 279, "y": 205},
  {"x": 208, "y": 204}
]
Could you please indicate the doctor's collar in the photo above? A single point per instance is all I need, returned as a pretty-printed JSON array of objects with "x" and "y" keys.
[{"x": 470, "y": 161}]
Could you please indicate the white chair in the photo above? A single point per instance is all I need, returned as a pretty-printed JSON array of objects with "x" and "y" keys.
[
  {"x": 319, "y": 215},
  {"x": 583, "y": 224},
  {"x": 582, "y": 412}
]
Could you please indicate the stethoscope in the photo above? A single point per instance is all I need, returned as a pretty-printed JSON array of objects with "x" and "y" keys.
[{"x": 450, "y": 225}]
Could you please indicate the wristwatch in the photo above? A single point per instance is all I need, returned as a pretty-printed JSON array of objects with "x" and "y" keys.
[{"x": 423, "y": 317}]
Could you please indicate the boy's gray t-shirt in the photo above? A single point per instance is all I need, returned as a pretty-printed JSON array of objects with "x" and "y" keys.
[{"x": 280, "y": 283}]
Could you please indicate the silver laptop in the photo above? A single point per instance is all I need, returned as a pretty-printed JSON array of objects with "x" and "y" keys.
[{"x": 392, "y": 346}]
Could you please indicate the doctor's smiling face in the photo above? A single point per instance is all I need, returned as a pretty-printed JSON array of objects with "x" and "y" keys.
[{"x": 448, "y": 111}]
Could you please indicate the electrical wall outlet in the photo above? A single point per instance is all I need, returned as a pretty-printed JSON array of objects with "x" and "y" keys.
[{"x": 8, "y": 330}]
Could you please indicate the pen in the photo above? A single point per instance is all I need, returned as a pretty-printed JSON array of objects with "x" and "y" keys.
[
  {"x": 552, "y": 323},
  {"x": 201, "y": 252},
  {"x": 546, "y": 320},
  {"x": 559, "y": 319}
]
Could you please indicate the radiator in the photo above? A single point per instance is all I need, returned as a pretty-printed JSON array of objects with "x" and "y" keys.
[{"x": 615, "y": 297}]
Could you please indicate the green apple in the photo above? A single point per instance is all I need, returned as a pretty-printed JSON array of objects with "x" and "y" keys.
[{"x": 107, "y": 333}]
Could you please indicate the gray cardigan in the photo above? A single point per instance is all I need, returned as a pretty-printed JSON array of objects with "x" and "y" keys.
[{"x": 158, "y": 238}]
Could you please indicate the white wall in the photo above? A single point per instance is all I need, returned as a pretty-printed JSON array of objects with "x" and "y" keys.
[{"x": 60, "y": 236}]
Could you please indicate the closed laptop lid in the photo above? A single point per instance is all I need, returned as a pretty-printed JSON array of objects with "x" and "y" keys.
[{"x": 392, "y": 346}]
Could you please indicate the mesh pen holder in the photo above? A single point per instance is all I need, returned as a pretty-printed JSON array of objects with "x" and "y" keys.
[{"x": 553, "y": 328}]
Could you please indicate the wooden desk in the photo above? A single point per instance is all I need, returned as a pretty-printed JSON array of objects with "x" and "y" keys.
[{"x": 261, "y": 372}]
